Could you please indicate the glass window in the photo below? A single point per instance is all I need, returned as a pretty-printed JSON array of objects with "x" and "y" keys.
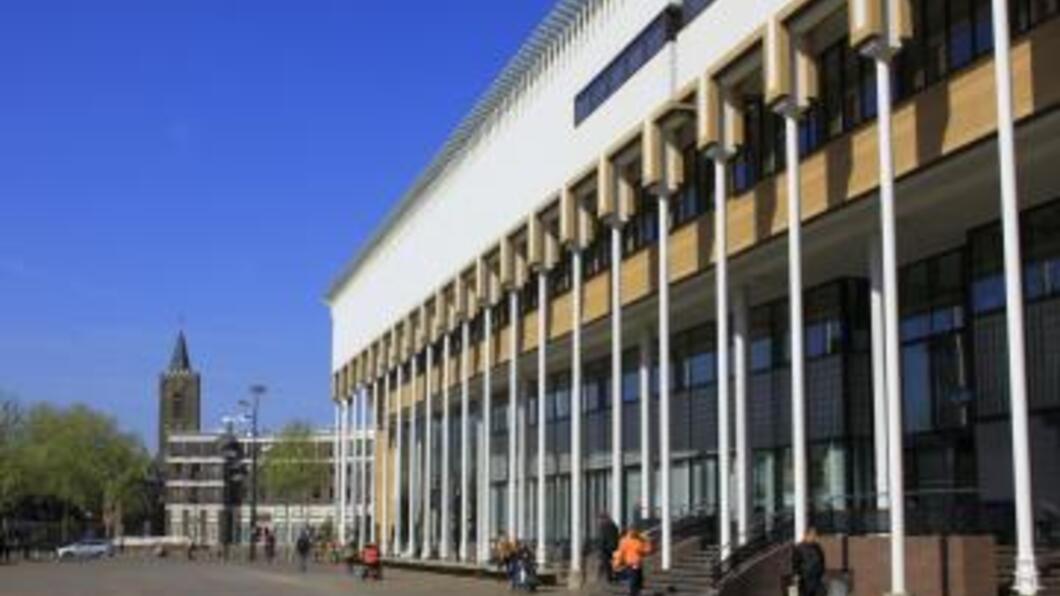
[
  {"x": 702, "y": 369},
  {"x": 935, "y": 51},
  {"x": 961, "y": 46},
  {"x": 916, "y": 388}
]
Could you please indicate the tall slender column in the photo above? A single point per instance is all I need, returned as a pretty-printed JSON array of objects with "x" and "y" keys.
[
  {"x": 576, "y": 412},
  {"x": 664, "y": 376},
  {"x": 443, "y": 540},
  {"x": 335, "y": 443},
  {"x": 465, "y": 460},
  {"x": 542, "y": 377},
  {"x": 795, "y": 316},
  {"x": 721, "y": 291},
  {"x": 384, "y": 513},
  {"x": 351, "y": 467},
  {"x": 739, "y": 366},
  {"x": 412, "y": 503},
  {"x": 891, "y": 339},
  {"x": 1026, "y": 574},
  {"x": 343, "y": 444},
  {"x": 513, "y": 404},
  {"x": 645, "y": 425},
  {"x": 372, "y": 474},
  {"x": 616, "y": 373},
  {"x": 428, "y": 449},
  {"x": 399, "y": 528},
  {"x": 879, "y": 373},
  {"x": 520, "y": 477},
  {"x": 357, "y": 464},
  {"x": 485, "y": 475}
]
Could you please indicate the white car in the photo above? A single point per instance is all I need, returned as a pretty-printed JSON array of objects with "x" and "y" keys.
[{"x": 85, "y": 549}]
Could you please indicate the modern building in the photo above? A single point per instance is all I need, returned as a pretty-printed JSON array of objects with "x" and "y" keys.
[
  {"x": 194, "y": 468},
  {"x": 540, "y": 322},
  {"x": 195, "y": 489}
]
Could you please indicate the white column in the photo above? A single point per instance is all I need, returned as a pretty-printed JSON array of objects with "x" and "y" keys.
[
  {"x": 351, "y": 467},
  {"x": 359, "y": 400},
  {"x": 879, "y": 373},
  {"x": 743, "y": 457},
  {"x": 465, "y": 460},
  {"x": 721, "y": 291},
  {"x": 428, "y": 449},
  {"x": 576, "y": 412},
  {"x": 616, "y": 373},
  {"x": 373, "y": 438},
  {"x": 443, "y": 540},
  {"x": 384, "y": 446},
  {"x": 399, "y": 527},
  {"x": 664, "y": 377},
  {"x": 542, "y": 379},
  {"x": 484, "y": 510},
  {"x": 645, "y": 425},
  {"x": 1026, "y": 573},
  {"x": 513, "y": 405},
  {"x": 412, "y": 504},
  {"x": 892, "y": 348},
  {"x": 520, "y": 477},
  {"x": 335, "y": 443},
  {"x": 795, "y": 316},
  {"x": 343, "y": 446}
]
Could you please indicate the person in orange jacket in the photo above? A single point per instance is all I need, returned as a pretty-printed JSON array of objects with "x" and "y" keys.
[{"x": 629, "y": 559}]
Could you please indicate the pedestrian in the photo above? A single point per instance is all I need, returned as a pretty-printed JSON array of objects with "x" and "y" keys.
[
  {"x": 372, "y": 565},
  {"x": 5, "y": 554},
  {"x": 607, "y": 546},
  {"x": 808, "y": 564},
  {"x": 270, "y": 546},
  {"x": 303, "y": 545},
  {"x": 629, "y": 559}
]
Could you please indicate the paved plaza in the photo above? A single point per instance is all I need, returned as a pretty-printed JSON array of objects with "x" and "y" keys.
[{"x": 151, "y": 577}]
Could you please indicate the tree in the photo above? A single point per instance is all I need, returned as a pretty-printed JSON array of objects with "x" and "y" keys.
[
  {"x": 81, "y": 459},
  {"x": 11, "y": 471},
  {"x": 293, "y": 469}
]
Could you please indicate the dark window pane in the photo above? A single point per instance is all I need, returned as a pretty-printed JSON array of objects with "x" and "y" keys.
[{"x": 960, "y": 33}]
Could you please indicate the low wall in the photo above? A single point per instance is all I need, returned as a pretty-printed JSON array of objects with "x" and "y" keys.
[{"x": 935, "y": 566}]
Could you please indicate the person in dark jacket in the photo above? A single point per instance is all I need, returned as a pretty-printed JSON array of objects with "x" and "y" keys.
[
  {"x": 303, "y": 545},
  {"x": 808, "y": 565},
  {"x": 608, "y": 545}
]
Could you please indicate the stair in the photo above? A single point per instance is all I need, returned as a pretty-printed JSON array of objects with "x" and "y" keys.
[
  {"x": 1048, "y": 569},
  {"x": 690, "y": 573}
]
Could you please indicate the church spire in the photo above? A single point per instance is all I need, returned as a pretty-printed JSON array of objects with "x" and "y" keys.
[{"x": 180, "y": 361}]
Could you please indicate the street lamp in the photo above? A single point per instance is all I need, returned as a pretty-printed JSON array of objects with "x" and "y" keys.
[
  {"x": 256, "y": 393},
  {"x": 232, "y": 475}
]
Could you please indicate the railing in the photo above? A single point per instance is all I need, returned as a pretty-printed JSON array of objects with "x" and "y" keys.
[{"x": 765, "y": 533}]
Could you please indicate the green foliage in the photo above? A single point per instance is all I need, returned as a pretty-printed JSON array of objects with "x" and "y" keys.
[
  {"x": 292, "y": 467},
  {"x": 74, "y": 455}
]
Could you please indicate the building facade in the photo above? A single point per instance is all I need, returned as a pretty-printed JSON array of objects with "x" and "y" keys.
[
  {"x": 195, "y": 489},
  {"x": 620, "y": 274}
]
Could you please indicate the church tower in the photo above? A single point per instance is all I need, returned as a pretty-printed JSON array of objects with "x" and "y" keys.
[{"x": 179, "y": 396}]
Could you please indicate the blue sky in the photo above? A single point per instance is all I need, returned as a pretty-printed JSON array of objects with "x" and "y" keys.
[{"x": 213, "y": 162}]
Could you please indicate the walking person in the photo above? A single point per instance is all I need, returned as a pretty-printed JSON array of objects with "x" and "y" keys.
[
  {"x": 808, "y": 565},
  {"x": 303, "y": 545},
  {"x": 607, "y": 547},
  {"x": 629, "y": 559},
  {"x": 270, "y": 546}
]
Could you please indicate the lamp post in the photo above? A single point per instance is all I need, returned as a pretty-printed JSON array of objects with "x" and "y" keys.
[
  {"x": 232, "y": 475},
  {"x": 256, "y": 392}
]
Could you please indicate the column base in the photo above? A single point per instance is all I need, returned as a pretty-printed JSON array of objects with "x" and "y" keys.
[
  {"x": 1025, "y": 581},
  {"x": 575, "y": 580}
]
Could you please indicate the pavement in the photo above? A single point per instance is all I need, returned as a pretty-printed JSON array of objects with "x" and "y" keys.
[{"x": 175, "y": 577}]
